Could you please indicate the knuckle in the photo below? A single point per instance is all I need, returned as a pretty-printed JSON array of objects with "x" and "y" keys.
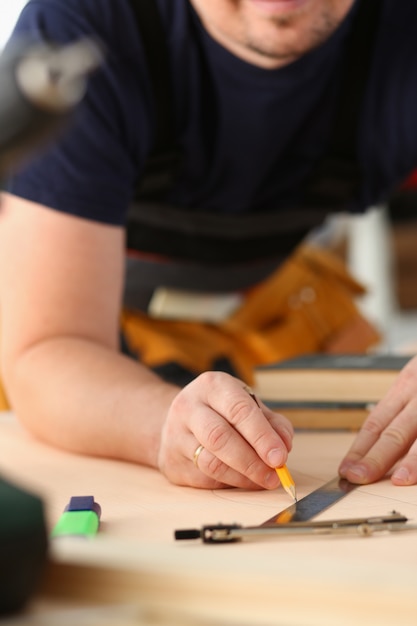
[
  {"x": 239, "y": 411},
  {"x": 210, "y": 379},
  {"x": 376, "y": 461},
  {"x": 260, "y": 439},
  {"x": 371, "y": 426},
  {"x": 251, "y": 469},
  {"x": 179, "y": 404},
  {"x": 217, "y": 437},
  {"x": 216, "y": 468},
  {"x": 395, "y": 437}
]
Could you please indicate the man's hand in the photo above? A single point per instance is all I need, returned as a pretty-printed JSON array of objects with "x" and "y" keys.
[
  {"x": 241, "y": 441},
  {"x": 388, "y": 438}
]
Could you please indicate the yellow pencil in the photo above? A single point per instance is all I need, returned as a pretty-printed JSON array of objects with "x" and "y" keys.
[
  {"x": 283, "y": 472},
  {"x": 286, "y": 481}
]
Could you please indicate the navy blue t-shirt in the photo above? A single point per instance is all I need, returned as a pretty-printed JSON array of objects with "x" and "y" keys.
[{"x": 249, "y": 136}]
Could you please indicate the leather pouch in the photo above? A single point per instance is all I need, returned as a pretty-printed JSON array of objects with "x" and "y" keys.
[{"x": 307, "y": 305}]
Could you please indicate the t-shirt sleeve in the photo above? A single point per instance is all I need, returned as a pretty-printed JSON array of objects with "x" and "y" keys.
[{"x": 91, "y": 168}]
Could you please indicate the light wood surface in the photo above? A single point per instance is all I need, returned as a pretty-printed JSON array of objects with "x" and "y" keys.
[{"x": 134, "y": 572}]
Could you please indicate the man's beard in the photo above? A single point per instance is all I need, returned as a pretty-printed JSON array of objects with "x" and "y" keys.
[{"x": 317, "y": 36}]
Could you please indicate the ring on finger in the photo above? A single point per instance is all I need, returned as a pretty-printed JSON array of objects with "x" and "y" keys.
[
  {"x": 250, "y": 391},
  {"x": 196, "y": 454}
]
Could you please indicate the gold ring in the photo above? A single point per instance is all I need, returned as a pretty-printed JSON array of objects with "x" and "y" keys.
[
  {"x": 197, "y": 454},
  {"x": 250, "y": 391}
]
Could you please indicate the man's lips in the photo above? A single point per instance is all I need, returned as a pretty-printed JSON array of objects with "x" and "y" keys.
[{"x": 278, "y": 7}]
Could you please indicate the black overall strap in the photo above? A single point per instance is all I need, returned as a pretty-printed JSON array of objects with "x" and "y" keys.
[
  {"x": 337, "y": 176},
  {"x": 164, "y": 160},
  {"x": 335, "y": 180}
]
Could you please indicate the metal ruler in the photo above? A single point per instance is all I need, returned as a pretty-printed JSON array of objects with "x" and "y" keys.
[
  {"x": 295, "y": 520},
  {"x": 314, "y": 503}
]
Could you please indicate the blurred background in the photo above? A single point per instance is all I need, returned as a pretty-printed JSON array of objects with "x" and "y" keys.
[{"x": 9, "y": 10}]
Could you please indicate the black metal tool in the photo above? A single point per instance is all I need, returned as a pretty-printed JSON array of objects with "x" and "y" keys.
[
  {"x": 295, "y": 520},
  {"x": 40, "y": 87},
  {"x": 366, "y": 526}
]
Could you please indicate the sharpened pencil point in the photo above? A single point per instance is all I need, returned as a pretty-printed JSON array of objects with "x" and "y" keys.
[{"x": 287, "y": 481}]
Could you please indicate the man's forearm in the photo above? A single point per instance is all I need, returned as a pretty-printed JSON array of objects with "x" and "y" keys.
[{"x": 86, "y": 398}]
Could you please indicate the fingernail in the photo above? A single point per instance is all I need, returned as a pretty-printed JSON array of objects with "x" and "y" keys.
[
  {"x": 360, "y": 471},
  {"x": 402, "y": 474},
  {"x": 276, "y": 458}
]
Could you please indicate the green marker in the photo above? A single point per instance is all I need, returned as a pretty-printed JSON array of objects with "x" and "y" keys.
[{"x": 81, "y": 518}]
